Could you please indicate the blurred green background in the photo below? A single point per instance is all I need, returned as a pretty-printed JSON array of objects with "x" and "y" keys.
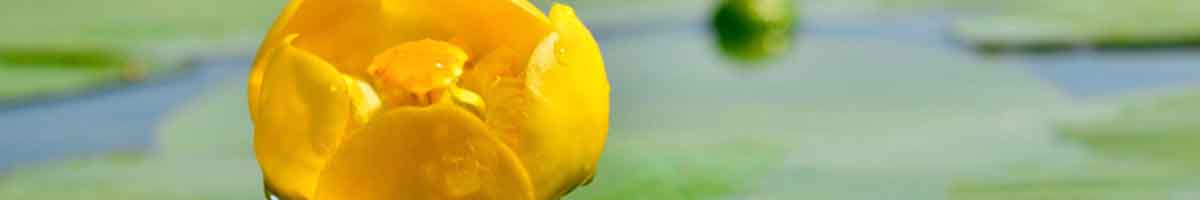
[{"x": 840, "y": 99}]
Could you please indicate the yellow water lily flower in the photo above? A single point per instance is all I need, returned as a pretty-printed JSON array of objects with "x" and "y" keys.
[{"x": 427, "y": 99}]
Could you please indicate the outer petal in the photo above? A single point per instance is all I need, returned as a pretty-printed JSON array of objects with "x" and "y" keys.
[
  {"x": 568, "y": 124},
  {"x": 439, "y": 152},
  {"x": 266, "y": 52},
  {"x": 348, "y": 33},
  {"x": 304, "y": 107}
]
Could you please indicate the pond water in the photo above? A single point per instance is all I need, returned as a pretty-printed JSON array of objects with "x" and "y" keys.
[
  {"x": 862, "y": 108},
  {"x": 115, "y": 119}
]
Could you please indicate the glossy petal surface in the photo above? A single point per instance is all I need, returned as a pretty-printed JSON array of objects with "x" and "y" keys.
[
  {"x": 305, "y": 108},
  {"x": 569, "y": 122},
  {"x": 438, "y": 152}
]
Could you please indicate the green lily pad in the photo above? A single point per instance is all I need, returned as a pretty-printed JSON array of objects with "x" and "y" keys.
[
  {"x": 663, "y": 166},
  {"x": 57, "y": 48},
  {"x": 1090, "y": 180},
  {"x": 1143, "y": 149},
  {"x": 1067, "y": 23},
  {"x": 22, "y": 83},
  {"x": 1161, "y": 130},
  {"x": 125, "y": 23}
]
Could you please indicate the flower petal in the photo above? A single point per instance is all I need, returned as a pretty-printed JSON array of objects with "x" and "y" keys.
[
  {"x": 438, "y": 152},
  {"x": 304, "y": 107},
  {"x": 349, "y": 33},
  {"x": 266, "y": 52},
  {"x": 568, "y": 124}
]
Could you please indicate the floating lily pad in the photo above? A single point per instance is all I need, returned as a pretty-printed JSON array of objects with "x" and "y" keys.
[
  {"x": 1067, "y": 23},
  {"x": 124, "y": 23},
  {"x": 1145, "y": 149},
  {"x": 21, "y": 83},
  {"x": 1161, "y": 130},
  {"x": 57, "y": 48},
  {"x": 1099, "y": 180},
  {"x": 669, "y": 166}
]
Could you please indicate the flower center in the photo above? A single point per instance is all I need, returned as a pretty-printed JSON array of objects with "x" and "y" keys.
[{"x": 420, "y": 73}]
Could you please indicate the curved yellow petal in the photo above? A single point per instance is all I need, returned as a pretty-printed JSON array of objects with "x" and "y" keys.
[
  {"x": 304, "y": 107},
  {"x": 266, "y": 52},
  {"x": 568, "y": 123},
  {"x": 349, "y": 33},
  {"x": 438, "y": 152}
]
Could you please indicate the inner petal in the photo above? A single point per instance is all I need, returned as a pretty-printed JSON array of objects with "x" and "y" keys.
[
  {"x": 419, "y": 67},
  {"x": 423, "y": 72}
]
